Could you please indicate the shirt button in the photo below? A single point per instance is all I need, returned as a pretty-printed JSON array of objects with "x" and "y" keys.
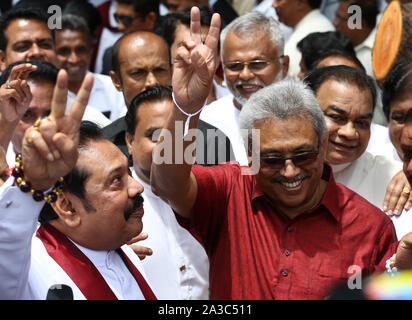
[
  {"x": 284, "y": 273},
  {"x": 290, "y": 229},
  {"x": 287, "y": 253}
]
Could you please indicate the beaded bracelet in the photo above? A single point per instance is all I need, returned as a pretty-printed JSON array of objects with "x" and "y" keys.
[{"x": 25, "y": 186}]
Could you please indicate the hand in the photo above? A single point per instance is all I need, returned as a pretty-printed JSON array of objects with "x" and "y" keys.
[
  {"x": 195, "y": 64},
  {"x": 15, "y": 99},
  {"x": 395, "y": 199},
  {"x": 141, "y": 251},
  {"x": 51, "y": 152},
  {"x": 403, "y": 259}
]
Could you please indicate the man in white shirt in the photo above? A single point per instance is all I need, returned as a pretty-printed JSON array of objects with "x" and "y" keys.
[
  {"x": 73, "y": 44},
  {"x": 347, "y": 99},
  {"x": 179, "y": 266},
  {"x": 363, "y": 35},
  {"x": 97, "y": 209},
  {"x": 304, "y": 17},
  {"x": 252, "y": 58}
]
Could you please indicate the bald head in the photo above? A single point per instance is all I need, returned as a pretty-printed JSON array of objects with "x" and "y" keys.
[{"x": 140, "y": 60}]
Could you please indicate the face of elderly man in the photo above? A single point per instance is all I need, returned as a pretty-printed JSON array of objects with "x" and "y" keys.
[
  {"x": 244, "y": 80},
  {"x": 348, "y": 111},
  {"x": 295, "y": 184}
]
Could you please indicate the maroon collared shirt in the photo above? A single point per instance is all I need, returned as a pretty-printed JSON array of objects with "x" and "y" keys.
[{"x": 258, "y": 253}]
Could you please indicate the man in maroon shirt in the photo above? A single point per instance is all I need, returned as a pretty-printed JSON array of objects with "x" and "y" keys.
[{"x": 287, "y": 231}]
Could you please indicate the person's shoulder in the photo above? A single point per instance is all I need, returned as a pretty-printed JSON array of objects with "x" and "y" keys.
[{"x": 115, "y": 128}]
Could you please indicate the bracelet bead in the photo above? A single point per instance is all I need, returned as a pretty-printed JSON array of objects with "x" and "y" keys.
[{"x": 25, "y": 186}]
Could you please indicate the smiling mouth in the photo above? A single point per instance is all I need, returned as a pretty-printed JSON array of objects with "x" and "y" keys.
[
  {"x": 249, "y": 87},
  {"x": 291, "y": 185},
  {"x": 343, "y": 146}
]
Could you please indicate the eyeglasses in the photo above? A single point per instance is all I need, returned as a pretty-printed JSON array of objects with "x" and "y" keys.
[
  {"x": 254, "y": 65},
  {"x": 299, "y": 160},
  {"x": 126, "y": 20}
]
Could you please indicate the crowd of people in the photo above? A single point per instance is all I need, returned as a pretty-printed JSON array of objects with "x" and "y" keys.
[{"x": 195, "y": 149}]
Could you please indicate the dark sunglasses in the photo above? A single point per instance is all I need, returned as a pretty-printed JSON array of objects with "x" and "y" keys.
[
  {"x": 299, "y": 160},
  {"x": 126, "y": 20},
  {"x": 254, "y": 65}
]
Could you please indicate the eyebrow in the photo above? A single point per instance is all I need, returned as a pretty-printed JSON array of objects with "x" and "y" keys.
[
  {"x": 343, "y": 112},
  {"x": 116, "y": 170},
  {"x": 151, "y": 130}
]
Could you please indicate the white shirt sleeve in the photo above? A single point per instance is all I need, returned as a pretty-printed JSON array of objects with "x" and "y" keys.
[{"x": 18, "y": 222}]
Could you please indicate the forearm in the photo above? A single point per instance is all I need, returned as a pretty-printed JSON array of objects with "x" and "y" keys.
[
  {"x": 171, "y": 176},
  {"x": 6, "y": 131},
  {"x": 18, "y": 220}
]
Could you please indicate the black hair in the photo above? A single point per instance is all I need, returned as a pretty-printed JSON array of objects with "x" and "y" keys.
[
  {"x": 74, "y": 182},
  {"x": 369, "y": 10},
  {"x": 143, "y": 7},
  {"x": 398, "y": 80},
  {"x": 45, "y": 72},
  {"x": 87, "y": 11},
  {"x": 76, "y": 23},
  {"x": 314, "y": 4},
  {"x": 19, "y": 12},
  {"x": 155, "y": 93},
  {"x": 342, "y": 74},
  {"x": 319, "y": 45},
  {"x": 341, "y": 53},
  {"x": 171, "y": 21}
]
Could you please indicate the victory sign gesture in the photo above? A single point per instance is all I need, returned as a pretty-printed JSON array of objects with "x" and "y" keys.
[
  {"x": 50, "y": 146},
  {"x": 195, "y": 64}
]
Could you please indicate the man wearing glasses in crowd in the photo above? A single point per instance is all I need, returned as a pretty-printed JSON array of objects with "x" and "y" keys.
[
  {"x": 252, "y": 56},
  {"x": 132, "y": 15}
]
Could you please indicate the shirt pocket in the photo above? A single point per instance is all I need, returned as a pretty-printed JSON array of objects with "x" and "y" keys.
[{"x": 328, "y": 273}]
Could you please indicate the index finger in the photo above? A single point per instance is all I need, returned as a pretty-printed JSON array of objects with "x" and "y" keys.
[
  {"x": 82, "y": 98},
  {"x": 212, "y": 38},
  {"x": 195, "y": 30},
  {"x": 21, "y": 71},
  {"x": 59, "y": 100}
]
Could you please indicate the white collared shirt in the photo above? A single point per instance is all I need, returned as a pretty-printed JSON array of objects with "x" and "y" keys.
[
  {"x": 364, "y": 52},
  {"x": 224, "y": 115},
  {"x": 314, "y": 21},
  {"x": 368, "y": 176},
  {"x": 105, "y": 97},
  {"x": 179, "y": 267}
]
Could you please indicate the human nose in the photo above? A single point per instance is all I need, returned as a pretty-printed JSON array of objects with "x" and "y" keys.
[
  {"x": 348, "y": 131},
  {"x": 289, "y": 169},
  {"x": 35, "y": 53},
  {"x": 151, "y": 80},
  {"x": 134, "y": 187},
  {"x": 73, "y": 58},
  {"x": 246, "y": 73}
]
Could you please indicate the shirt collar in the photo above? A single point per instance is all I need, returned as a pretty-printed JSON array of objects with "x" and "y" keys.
[
  {"x": 97, "y": 257},
  {"x": 368, "y": 42},
  {"x": 329, "y": 200}
]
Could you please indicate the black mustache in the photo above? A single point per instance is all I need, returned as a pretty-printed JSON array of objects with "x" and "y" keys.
[
  {"x": 136, "y": 203},
  {"x": 281, "y": 179}
]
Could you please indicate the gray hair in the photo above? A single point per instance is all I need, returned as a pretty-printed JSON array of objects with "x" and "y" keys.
[
  {"x": 254, "y": 23},
  {"x": 282, "y": 100}
]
